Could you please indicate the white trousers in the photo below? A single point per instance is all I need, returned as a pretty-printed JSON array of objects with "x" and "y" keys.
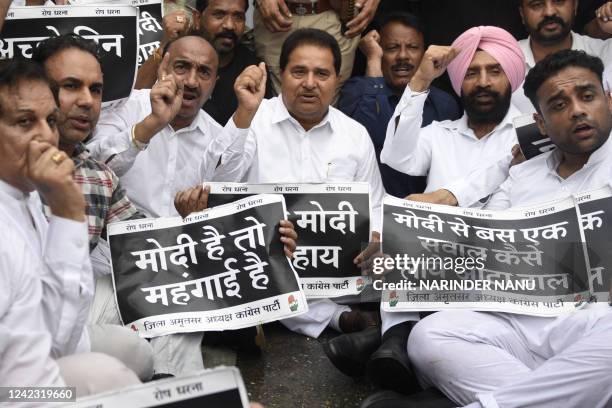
[
  {"x": 316, "y": 319},
  {"x": 177, "y": 354},
  {"x": 504, "y": 360},
  {"x": 125, "y": 345},
  {"x": 93, "y": 373}
]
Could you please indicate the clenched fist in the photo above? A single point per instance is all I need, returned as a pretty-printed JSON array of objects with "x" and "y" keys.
[
  {"x": 604, "y": 17},
  {"x": 434, "y": 63},
  {"x": 250, "y": 87}
]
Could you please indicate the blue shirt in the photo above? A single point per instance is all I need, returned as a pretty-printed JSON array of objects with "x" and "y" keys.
[{"x": 371, "y": 102}]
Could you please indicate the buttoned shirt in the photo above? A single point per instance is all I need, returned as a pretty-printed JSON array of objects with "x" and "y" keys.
[
  {"x": 173, "y": 160},
  {"x": 279, "y": 150},
  {"x": 593, "y": 46},
  {"x": 448, "y": 152},
  {"x": 371, "y": 102},
  {"x": 537, "y": 181},
  {"x": 57, "y": 254}
]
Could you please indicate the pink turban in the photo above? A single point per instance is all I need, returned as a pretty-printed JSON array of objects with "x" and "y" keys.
[{"x": 496, "y": 41}]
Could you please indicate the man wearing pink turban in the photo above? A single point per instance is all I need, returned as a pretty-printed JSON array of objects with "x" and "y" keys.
[
  {"x": 464, "y": 160},
  {"x": 485, "y": 65}
]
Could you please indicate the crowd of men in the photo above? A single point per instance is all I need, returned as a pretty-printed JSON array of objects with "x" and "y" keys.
[{"x": 210, "y": 107}]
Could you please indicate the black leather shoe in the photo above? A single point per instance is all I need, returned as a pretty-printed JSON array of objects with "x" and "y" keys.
[
  {"x": 389, "y": 367},
  {"x": 429, "y": 398},
  {"x": 350, "y": 352}
]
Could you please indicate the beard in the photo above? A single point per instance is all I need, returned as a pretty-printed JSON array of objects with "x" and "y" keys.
[
  {"x": 222, "y": 48},
  {"x": 492, "y": 113},
  {"x": 553, "y": 38}
]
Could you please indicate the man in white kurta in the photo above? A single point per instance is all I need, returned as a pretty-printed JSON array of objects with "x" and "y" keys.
[
  {"x": 490, "y": 360},
  {"x": 47, "y": 277},
  {"x": 299, "y": 138},
  {"x": 160, "y": 142},
  {"x": 485, "y": 65}
]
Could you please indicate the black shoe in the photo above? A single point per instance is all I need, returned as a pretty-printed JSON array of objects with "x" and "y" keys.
[
  {"x": 249, "y": 340},
  {"x": 389, "y": 367},
  {"x": 429, "y": 398},
  {"x": 350, "y": 352}
]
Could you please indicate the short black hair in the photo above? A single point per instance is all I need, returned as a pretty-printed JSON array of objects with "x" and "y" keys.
[
  {"x": 310, "y": 36},
  {"x": 403, "y": 18},
  {"x": 202, "y": 4},
  {"x": 13, "y": 71},
  {"x": 556, "y": 62},
  {"x": 52, "y": 45}
]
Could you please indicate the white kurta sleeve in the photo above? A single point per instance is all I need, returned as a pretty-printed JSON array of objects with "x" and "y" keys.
[
  {"x": 112, "y": 138},
  {"x": 500, "y": 200},
  {"x": 67, "y": 283},
  {"x": 222, "y": 159},
  {"x": 238, "y": 158},
  {"x": 407, "y": 146},
  {"x": 481, "y": 182}
]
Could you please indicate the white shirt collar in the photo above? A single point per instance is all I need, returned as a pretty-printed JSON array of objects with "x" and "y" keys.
[
  {"x": 198, "y": 123},
  {"x": 577, "y": 44},
  {"x": 281, "y": 114},
  {"x": 461, "y": 125},
  {"x": 596, "y": 157},
  {"x": 12, "y": 191}
]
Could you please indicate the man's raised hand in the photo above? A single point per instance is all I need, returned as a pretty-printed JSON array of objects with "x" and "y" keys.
[
  {"x": 434, "y": 63},
  {"x": 250, "y": 88},
  {"x": 166, "y": 99}
]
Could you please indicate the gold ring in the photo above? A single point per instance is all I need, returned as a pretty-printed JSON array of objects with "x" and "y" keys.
[
  {"x": 163, "y": 78},
  {"x": 180, "y": 19},
  {"x": 57, "y": 157}
]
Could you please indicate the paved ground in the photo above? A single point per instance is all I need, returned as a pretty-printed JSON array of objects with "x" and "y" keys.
[{"x": 294, "y": 372}]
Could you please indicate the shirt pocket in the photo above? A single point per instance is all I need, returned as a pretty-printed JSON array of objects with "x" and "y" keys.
[{"x": 340, "y": 171}]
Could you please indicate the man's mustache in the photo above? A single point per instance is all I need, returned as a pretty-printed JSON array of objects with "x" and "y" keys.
[
  {"x": 551, "y": 19},
  {"x": 227, "y": 34},
  {"x": 484, "y": 92},
  {"x": 405, "y": 65}
]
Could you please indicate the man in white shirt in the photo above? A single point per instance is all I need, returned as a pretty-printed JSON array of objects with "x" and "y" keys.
[
  {"x": 160, "y": 142},
  {"x": 163, "y": 137},
  {"x": 490, "y": 360},
  {"x": 72, "y": 64},
  {"x": 299, "y": 138},
  {"x": 47, "y": 281},
  {"x": 485, "y": 65},
  {"x": 549, "y": 24}
]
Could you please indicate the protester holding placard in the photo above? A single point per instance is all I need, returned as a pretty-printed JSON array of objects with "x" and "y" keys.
[
  {"x": 183, "y": 147},
  {"x": 299, "y": 138},
  {"x": 504, "y": 359},
  {"x": 485, "y": 64}
]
